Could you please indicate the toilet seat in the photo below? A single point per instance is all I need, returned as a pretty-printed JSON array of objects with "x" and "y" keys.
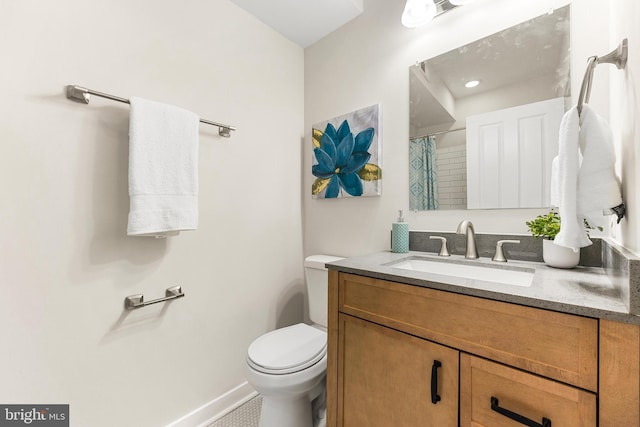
[{"x": 287, "y": 350}]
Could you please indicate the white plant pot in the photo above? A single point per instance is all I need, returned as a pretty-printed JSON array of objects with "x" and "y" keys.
[{"x": 559, "y": 256}]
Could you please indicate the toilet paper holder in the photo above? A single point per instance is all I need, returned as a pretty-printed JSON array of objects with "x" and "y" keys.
[{"x": 137, "y": 301}]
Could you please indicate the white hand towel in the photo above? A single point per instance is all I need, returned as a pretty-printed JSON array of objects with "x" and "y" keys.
[
  {"x": 163, "y": 169},
  {"x": 598, "y": 186},
  {"x": 565, "y": 184}
]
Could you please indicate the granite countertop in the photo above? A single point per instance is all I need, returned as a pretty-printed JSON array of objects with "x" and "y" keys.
[{"x": 585, "y": 291}]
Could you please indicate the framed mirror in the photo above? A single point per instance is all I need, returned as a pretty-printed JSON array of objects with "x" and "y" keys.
[{"x": 484, "y": 118}]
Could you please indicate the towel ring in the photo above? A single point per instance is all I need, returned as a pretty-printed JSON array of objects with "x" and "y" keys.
[{"x": 618, "y": 57}]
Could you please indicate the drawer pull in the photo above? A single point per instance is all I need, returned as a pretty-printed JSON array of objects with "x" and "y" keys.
[
  {"x": 435, "y": 397},
  {"x": 517, "y": 417}
]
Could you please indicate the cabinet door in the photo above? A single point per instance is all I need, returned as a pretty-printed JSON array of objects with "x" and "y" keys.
[
  {"x": 390, "y": 379},
  {"x": 496, "y": 395}
]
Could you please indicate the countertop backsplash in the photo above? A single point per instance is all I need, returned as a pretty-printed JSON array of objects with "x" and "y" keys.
[
  {"x": 529, "y": 248},
  {"x": 623, "y": 269}
]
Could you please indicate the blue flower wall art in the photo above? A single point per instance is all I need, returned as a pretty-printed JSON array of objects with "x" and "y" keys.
[{"x": 346, "y": 155}]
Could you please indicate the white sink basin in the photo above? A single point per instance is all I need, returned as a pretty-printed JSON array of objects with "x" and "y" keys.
[{"x": 516, "y": 276}]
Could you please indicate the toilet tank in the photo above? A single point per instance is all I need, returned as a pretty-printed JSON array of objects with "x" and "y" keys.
[{"x": 317, "y": 278}]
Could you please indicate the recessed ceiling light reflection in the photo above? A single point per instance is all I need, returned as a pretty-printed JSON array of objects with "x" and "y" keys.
[{"x": 472, "y": 83}]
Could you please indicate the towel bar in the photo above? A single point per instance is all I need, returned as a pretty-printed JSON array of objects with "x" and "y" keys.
[
  {"x": 83, "y": 95},
  {"x": 137, "y": 301}
]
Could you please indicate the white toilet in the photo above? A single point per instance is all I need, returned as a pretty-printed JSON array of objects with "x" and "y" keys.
[{"x": 288, "y": 366}]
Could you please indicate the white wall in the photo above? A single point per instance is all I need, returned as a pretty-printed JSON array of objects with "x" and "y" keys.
[
  {"x": 366, "y": 62},
  {"x": 535, "y": 90},
  {"x": 625, "y": 117},
  {"x": 66, "y": 263}
]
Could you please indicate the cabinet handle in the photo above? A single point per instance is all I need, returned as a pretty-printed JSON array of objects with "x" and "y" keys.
[
  {"x": 435, "y": 397},
  {"x": 517, "y": 417}
]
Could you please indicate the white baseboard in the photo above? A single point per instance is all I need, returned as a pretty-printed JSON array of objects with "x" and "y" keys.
[{"x": 217, "y": 408}]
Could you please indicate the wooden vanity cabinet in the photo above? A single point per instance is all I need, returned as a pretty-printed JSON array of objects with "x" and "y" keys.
[{"x": 392, "y": 347}]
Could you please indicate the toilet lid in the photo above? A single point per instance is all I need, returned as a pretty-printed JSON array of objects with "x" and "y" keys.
[{"x": 287, "y": 350}]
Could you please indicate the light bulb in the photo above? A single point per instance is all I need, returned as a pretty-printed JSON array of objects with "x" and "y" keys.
[
  {"x": 418, "y": 12},
  {"x": 471, "y": 83}
]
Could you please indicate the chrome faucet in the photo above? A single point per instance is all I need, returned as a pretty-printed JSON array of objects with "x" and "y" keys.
[{"x": 466, "y": 227}]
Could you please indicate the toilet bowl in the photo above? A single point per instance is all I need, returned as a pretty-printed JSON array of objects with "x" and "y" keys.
[{"x": 288, "y": 366}]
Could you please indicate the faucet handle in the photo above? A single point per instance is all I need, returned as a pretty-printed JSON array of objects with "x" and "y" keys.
[
  {"x": 444, "y": 251},
  {"x": 499, "y": 256}
]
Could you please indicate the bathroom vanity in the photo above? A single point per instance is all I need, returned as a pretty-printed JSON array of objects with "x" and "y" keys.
[{"x": 410, "y": 348}]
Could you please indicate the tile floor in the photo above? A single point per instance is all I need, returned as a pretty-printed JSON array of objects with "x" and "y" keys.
[{"x": 247, "y": 415}]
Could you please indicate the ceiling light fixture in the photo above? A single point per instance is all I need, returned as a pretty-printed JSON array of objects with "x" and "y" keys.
[
  {"x": 418, "y": 12},
  {"x": 471, "y": 83}
]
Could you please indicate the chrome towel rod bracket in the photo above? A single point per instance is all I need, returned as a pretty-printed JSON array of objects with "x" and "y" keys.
[
  {"x": 617, "y": 57},
  {"x": 137, "y": 301},
  {"x": 83, "y": 95}
]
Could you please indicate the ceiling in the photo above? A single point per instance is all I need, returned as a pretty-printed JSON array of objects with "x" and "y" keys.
[
  {"x": 516, "y": 55},
  {"x": 304, "y": 22}
]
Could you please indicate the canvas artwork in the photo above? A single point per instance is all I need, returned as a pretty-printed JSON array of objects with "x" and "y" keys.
[{"x": 346, "y": 155}]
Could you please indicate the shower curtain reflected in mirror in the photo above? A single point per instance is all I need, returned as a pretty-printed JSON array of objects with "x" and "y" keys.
[{"x": 423, "y": 174}]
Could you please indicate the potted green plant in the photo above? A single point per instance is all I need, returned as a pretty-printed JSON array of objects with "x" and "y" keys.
[{"x": 547, "y": 227}]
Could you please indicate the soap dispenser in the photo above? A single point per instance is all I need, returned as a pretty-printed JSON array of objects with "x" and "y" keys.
[{"x": 400, "y": 235}]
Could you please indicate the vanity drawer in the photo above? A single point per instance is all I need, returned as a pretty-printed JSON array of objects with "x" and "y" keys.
[
  {"x": 495, "y": 395},
  {"x": 556, "y": 345}
]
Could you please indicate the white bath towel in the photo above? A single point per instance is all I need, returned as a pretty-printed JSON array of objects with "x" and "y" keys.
[
  {"x": 598, "y": 185},
  {"x": 564, "y": 184},
  {"x": 163, "y": 169},
  {"x": 583, "y": 181}
]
